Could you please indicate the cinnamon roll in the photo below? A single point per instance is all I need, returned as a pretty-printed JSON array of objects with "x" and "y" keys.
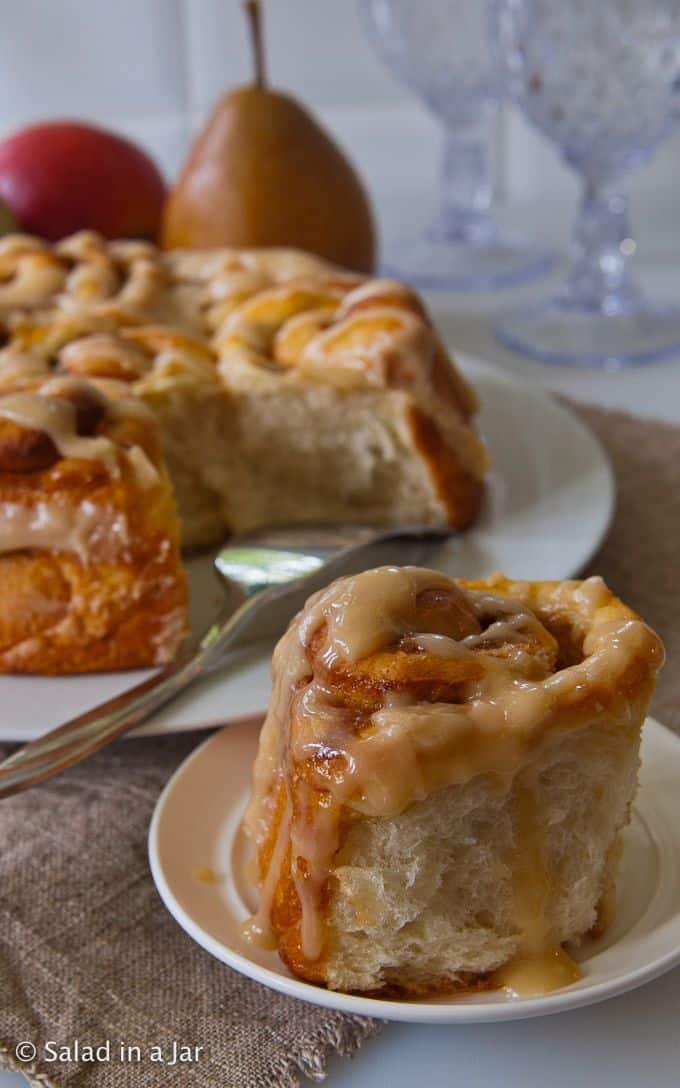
[
  {"x": 443, "y": 777},
  {"x": 90, "y": 575}
]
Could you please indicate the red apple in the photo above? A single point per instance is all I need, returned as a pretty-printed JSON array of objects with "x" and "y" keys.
[{"x": 60, "y": 177}]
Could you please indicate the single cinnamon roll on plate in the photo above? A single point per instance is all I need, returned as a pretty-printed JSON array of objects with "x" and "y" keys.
[{"x": 442, "y": 779}]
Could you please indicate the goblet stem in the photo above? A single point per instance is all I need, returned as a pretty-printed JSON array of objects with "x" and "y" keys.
[
  {"x": 466, "y": 189},
  {"x": 599, "y": 278}
]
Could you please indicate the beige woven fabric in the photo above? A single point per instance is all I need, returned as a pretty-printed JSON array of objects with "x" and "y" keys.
[
  {"x": 640, "y": 557},
  {"x": 88, "y": 952}
]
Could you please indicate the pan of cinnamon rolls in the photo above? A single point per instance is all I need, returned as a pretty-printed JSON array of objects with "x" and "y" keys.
[
  {"x": 442, "y": 779},
  {"x": 151, "y": 401}
]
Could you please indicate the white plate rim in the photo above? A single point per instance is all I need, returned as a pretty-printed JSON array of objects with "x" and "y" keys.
[
  {"x": 474, "y": 367},
  {"x": 404, "y": 1011}
]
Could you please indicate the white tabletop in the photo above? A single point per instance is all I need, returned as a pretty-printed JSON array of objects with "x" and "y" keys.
[{"x": 624, "y": 1043}]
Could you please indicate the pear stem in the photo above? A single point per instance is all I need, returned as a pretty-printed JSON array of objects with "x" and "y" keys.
[{"x": 254, "y": 13}]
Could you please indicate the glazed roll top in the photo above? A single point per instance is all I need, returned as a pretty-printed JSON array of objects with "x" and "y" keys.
[
  {"x": 90, "y": 348},
  {"x": 90, "y": 571},
  {"x": 123, "y": 279},
  {"x": 399, "y": 682},
  {"x": 69, "y": 418}
]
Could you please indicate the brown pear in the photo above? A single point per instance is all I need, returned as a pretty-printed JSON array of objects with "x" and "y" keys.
[{"x": 264, "y": 173}]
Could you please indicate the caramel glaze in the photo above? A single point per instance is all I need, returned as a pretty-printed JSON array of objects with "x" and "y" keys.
[
  {"x": 399, "y": 682},
  {"x": 68, "y": 411},
  {"x": 66, "y": 421}
]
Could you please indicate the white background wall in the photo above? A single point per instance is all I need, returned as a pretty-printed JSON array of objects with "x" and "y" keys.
[{"x": 153, "y": 68}]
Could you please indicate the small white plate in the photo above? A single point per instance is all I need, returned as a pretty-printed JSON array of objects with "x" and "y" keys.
[
  {"x": 549, "y": 502},
  {"x": 195, "y": 825}
]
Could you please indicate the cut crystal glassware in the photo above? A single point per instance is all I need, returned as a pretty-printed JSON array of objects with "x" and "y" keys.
[
  {"x": 440, "y": 49},
  {"x": 602, "y": 80}
]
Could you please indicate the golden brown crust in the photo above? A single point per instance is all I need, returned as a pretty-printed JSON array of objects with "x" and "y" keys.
[
  {"x": 25, "y": 449},
  {"x": 460, "y": 492},
  {"x": 286, "y": 912},
  {"x": 62, "y": 616},
  {"x": 103, "y": 355},
  {"x": 449, "y": 385},
  {"x": 467, "y": 983}
]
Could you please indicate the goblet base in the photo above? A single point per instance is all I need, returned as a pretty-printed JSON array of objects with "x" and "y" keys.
[
  {"x": 555, "y": 332},
  {"x": 436, "y": 264}
]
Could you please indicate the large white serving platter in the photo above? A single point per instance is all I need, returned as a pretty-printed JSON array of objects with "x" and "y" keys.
[
  {"x": 549, "y": 502},
  {"x": 196, "y": 826}
]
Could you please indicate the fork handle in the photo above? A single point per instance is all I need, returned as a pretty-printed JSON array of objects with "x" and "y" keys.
[{"x": 79, "y": 737}]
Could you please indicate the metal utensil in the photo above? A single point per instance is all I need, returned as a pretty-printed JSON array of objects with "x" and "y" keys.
[{"x": 274, "y": 571}]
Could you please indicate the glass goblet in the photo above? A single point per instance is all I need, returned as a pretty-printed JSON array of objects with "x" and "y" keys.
[
  {"x": 601, "y": 79},
  {"x": 440, "y": 49}
]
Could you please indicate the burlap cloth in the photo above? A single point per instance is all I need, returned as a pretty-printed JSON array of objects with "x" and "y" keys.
[{"x": 87, "y": 951}]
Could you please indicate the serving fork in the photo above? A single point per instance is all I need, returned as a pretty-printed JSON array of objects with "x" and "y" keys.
[{"x": 272, "y": 572}]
